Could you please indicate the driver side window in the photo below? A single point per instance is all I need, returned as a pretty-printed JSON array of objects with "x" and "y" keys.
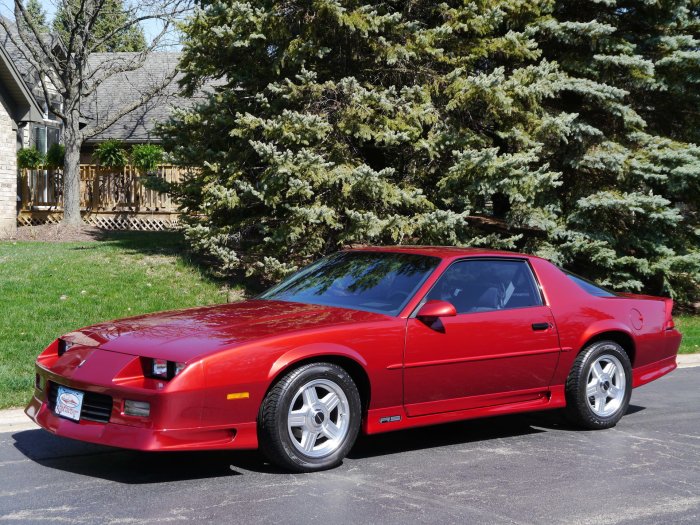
[{"x": 484, "y": 285}]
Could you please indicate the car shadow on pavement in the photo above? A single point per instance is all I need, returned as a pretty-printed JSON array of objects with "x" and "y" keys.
[
  {"x": 133, "y": 467},
  {"x": 462, "y": 432}
]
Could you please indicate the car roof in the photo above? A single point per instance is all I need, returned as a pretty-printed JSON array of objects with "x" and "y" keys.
[{"x": 443, "y": 252}]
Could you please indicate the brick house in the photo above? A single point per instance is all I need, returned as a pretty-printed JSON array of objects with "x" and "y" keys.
[{"x": 18, "y": 111}]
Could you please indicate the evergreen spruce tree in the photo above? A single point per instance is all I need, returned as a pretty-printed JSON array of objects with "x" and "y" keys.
[
  {"x": 493, "y": 123},
  {"x": 630, "y": 182}
]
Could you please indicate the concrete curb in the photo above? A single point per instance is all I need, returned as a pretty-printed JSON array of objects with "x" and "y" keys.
[
  {"x": 688, "y": 360},
  {"x": 15, "y": 420}
]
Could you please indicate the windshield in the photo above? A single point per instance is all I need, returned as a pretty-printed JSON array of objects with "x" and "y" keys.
[{"x": 380, "y": 282}]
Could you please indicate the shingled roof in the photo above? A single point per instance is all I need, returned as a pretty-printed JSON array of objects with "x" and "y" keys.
[{"x": 124, "y": 89}]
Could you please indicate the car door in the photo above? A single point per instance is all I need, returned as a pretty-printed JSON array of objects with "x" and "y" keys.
[{"x": 501, "y": 347}]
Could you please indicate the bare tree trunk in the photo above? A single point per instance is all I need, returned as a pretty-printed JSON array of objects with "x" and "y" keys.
[{"x": 71, "y": 178}]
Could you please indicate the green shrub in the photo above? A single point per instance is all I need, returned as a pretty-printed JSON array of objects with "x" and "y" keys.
[
  {"x": 111, "y": 154},
  {"x": 30, "y": 158},
  {"x": 146, "y": 157},
  {"x": 55, "y": 156}
]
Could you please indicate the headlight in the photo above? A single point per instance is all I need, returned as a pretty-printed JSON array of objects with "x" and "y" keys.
[
  {"x": 163, "y": 369},
  {"x": 64, "y": 346},
  {"x": 160, "y": 368}
]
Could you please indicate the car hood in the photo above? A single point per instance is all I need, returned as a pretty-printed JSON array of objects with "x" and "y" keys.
[{"x": 185, "y": 335}]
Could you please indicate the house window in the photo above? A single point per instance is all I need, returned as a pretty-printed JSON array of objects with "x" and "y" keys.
[
  {"x": 44, "y": 182},
  {"x": 45, "y": 137},
  {"x": 40, "y": 138}
]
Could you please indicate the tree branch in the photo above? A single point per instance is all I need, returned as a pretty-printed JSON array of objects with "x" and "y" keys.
[
  {"x": 168, "y": 16},
  {"x": 24, "y": 20},
  {"x": 87, "y": 29},
  {"x": 105, "y": 71},
  {"x": 72, "y": 26}
]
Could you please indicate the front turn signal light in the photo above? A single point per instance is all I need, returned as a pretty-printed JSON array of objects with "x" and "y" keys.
[{"x": 137, "y": 408}]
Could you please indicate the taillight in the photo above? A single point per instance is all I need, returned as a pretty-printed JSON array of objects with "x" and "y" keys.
[{"x": 668, "y": 323}]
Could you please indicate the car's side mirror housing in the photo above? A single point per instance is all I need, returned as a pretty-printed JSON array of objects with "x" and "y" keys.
[{"x": 434, "y": 309}]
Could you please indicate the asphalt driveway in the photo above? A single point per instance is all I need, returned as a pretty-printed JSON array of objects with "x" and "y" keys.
[{"x": 516, "y": 469}]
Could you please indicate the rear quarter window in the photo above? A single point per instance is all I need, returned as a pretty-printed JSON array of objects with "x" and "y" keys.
[{"x": 588, "y": 286}]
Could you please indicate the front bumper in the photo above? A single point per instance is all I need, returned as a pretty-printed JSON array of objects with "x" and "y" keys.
[
  {"x": 176, "y": 420},
  {"x": 243, "y": 436}
]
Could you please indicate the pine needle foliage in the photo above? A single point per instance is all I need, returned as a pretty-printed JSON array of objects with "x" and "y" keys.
[{"x": 563, "y": 128}]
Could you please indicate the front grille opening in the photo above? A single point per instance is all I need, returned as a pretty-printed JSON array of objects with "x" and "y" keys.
[{"x": 96, "y": 407}]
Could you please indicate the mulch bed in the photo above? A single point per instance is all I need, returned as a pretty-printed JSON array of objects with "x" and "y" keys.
[{"x": 57, "y": 233}]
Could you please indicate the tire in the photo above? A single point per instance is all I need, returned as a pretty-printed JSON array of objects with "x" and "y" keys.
[
  {"x": 593, "y": 397},
  {"x": 310, "y": 418}
]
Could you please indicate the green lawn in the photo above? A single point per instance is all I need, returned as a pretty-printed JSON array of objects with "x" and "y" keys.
[
  {"x": 689, "y": 326},
  {"x": 47, "y": 289}
]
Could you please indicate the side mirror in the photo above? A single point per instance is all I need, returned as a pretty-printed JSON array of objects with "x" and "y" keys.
[{"x": 434, "y": 309}]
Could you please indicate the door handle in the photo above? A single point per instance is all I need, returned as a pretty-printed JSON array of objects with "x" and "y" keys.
[{"x": 540, "y": 326}]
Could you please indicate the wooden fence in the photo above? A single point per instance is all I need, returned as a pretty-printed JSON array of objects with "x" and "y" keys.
[{"x": 108, "y": 199}]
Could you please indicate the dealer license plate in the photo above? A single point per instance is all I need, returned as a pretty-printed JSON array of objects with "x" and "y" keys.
[{"x": 69, "y": 402}]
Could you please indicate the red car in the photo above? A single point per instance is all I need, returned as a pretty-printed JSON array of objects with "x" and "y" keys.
[{"x": 371, "y": 340}]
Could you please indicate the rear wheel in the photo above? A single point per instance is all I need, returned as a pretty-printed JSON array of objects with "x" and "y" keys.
[
  {"x": 310, "y": 419},
  {"x": 599, "y": 386}
]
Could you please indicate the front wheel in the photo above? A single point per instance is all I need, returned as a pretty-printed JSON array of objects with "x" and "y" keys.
[
  {"x": 310, "y": 418},
  {"x": 599, "y": 386}
]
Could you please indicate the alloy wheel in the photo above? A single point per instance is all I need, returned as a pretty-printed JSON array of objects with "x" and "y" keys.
[
  {"x": 605, "y": 388},
  {"x": 318, "y": 418}
]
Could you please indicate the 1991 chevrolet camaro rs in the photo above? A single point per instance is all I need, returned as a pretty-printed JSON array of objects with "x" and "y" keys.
[{"x": 372, "y": 339}]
